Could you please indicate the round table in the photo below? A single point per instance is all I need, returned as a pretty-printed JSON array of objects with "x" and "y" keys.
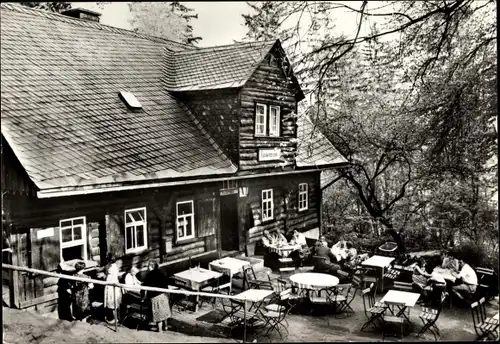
[{"x": 313, "y": 280}]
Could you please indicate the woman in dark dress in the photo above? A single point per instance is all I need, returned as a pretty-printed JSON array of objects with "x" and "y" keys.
[
  {"x": 160, "y": 304},
  {"x": 64, "y": 287},
  {"x": 81, "y": 299}
]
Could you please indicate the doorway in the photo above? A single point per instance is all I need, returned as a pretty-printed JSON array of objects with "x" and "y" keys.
[{"x": 229, "y": 223}]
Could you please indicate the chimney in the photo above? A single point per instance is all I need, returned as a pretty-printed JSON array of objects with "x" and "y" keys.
[{"x": 82, "y": 13}]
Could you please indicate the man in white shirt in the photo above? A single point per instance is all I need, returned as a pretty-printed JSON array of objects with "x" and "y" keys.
[{"x": 468, "y": 279}]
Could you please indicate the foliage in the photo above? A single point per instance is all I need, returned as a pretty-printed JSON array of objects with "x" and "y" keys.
[
  {"x": 170, "y": 20},
  {"x": 410, "y": 112},
  {"x": 56, "y": 6},
  {"x": 476, "y": 255}
]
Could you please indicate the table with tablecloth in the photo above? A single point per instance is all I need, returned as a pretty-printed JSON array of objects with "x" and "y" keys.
[
  {"x": 313, "y": 281},
  {"x": 195, "y": 279},
  {"x": 284, "y": 250},
  {"x": 230, "y": 266}
]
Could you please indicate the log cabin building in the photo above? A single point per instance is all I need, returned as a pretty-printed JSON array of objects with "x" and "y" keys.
[{"x": 115, "y": 141}]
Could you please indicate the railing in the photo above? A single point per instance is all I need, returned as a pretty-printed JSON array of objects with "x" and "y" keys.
[{"x": 128, "y": 287}]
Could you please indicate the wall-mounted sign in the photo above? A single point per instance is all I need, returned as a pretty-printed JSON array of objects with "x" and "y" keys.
[
  {"x": 44, "y": 233},
  {"x": 269, "y": 154}
]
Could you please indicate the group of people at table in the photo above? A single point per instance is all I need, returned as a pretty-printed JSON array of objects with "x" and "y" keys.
[
  {"x": 74, "y": 301},
  {"x": 453, "y": 272},
  {"x": 341, "y": 256}
]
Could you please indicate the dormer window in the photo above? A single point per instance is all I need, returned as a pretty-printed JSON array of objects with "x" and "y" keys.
[{"x": 267, "y": 120}]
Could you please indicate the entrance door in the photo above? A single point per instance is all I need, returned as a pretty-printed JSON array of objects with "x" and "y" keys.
[{"x": 229, "y": 222}]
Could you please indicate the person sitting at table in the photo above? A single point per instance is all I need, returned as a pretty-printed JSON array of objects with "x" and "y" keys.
[
  {"x": 466, "y": 282},
  {"x": 340, "y": 250},
  {"x": 420, "y": 276},
  {"x": 131, "y": 279},
  {"x": 449, "y": 262},
  {"x": 280, "y": 238},
  {"x": 298, "y": 238},
  {"x": 300, "y": 254},
  {"x": 325, "y": 260},
  {"x": 267, "y": 239},
  {"x": 323, "y": 241}
]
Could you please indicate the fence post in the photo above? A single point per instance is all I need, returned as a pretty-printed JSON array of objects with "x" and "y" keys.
[
  {"x": 245, "y": 321},
  {"x": 116, "y": 308}
]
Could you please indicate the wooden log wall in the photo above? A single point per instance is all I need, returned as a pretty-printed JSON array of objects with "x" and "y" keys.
[
  {"x": 286, "y": 217},
  {"x": 268, "y": 85},
  {"x": 217, "y": 112},
  {"x": 105, "y": 231}
]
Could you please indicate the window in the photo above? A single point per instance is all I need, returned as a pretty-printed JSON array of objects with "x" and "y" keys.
[
  {"x": 267, "y": 124},
  {"x": 274, "y": 121},
  {"x": 260, "y": 120},
  {"x": 303, "y": 197},
  {"x": 135, "y": 230},
  {"x": 185, "y": 220},
  {"x": 73, "y": 239},
  {"x": 267, "y": 205}
]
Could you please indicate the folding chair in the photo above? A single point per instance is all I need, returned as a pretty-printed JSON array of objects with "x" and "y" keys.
[
  {"x": 276, "y": 315},
  {"x": 403, "y": 286},
  {"x": 251, "y": 281},
  {"x": 486, "y": 281},
  {"x": 429, "y": 317},
  {"x": 373, "y": 311},
  {"x": 485, "y": 327},
  {"x": 138, "y": 310},
  {"x": 345, "y": 294},
  {"x": 393, "y": 320},
  {"x": 234, "y": 310},
  {"x": 322, "y": 298},
  {"x": 215, "y": 287}
]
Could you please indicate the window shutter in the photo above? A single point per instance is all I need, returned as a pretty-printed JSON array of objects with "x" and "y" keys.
[
  {"x": 115, "y": 235},
  {"x": 45, "y": 248},
  {"x": 206, "y": 217}
]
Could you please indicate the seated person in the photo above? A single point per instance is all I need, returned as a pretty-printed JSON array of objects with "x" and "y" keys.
[
  {"x": 267, "y": 239},
  {"x": 349, "y": 264},
  {"x": 280, "y": 238},
  {"x": 466, "y": 282},
  {"x": 449, "y": 262},
  {"x": 340, "y": 249},
  {"x": 323, "y": 241},
  {"x": 298, "y": 239},
  {"x": 131, "y": 279},
  {"x": 303, "y": 252},
  {"x": 325, "y": 264},
  {"x": 420, "y": 276}
]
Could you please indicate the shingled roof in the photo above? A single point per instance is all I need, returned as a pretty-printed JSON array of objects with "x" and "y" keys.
[
  {"x": 313, "y": 148},
  {"x": 62, "y": 116},
  {"x": 215, "y": 67}
]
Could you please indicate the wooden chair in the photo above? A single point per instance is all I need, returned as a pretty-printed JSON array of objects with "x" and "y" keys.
[
  {"x": 303, "y": 269},
  {"x": 395, "y": 319},
  {"x": 322, "y": 297},
  {"x": 236, "y": 313},
  {"x": 373, "y": 310},
  {"x": 429, "y": 317},
  {"x": 286, "y": 271},
  {"x": 138, "y": 310},
  {"x": 251, "y": 281},
  {"x": 485, "y": 327},
  {"x": 403, "y": 286},
  {"x": 344, "y": 296},
  {"x": 276, "y": 314}
]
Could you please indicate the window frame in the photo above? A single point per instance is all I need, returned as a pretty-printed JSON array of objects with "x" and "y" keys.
[
  {"x": 73, "y": 243},
  {"x": 265, "y": 201},
  {"x": 277, "y": 120},
  {"x": 267, "y": 120},
  {"x": 134, "y": 224},
  {"x": 185, "y": 237},
  {"x": 257, "y": 115},
  {"x": 305, "y": 195}
]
